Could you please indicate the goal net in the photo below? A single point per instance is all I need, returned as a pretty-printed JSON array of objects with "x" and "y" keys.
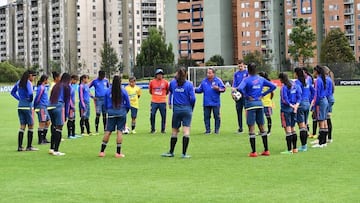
[{"x": 225, "y": 73}]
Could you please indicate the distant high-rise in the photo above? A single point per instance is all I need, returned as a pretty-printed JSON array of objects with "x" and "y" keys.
[{"x": 199, "y": 29}]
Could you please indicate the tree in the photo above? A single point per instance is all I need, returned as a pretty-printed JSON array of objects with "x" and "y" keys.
[
  {"x": 109, "y": 59},
  {"x": 155, "y": 52},
  {"x": 257, "y": 58},
  {"x": 336, "y": 48},
  {"x": 303, "y": 38},
  {"x": 218, "y": 60}
]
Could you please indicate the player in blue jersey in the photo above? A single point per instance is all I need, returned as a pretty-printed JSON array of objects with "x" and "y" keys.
[
  {"x": 303, "y": 111},
  {"x": 117, "y": 105},
  {"x": 101, "y": 85},
  {"x": 211, "y": 86},
  {"x": 320, "y": 102},
  {"x": 71, "y": 121},
  {"x": 238, "y": 78},
  {"x": 182, "y": 100},
  {"x": 290, "y": 98},
  {"x": 23, "y": 92},
  {"x": 41, "y": 103},
  {"x": 251, "y": 88},
  {"x": 330, "y": 87},
  {"x": 58, "y": 111},
  {"x": 84, "y": 104}
]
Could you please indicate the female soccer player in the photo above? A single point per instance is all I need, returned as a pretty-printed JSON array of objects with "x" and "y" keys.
[
  {"x": 321, "y": 105},
  {"x": 290, "y": 97},
  {"x": 23, "y": 92},
  {"x": 41, "y": 103},
  {"x": 58, "y": 111},
  {"x": 251, "y": 88},
  {"x": 84, "y": 104},
  {"x": 330, "y": 87},
  {"x": 267, "y": 102},
  {"x": 117, "y": 105},
  {"x": 134, "y": 93},
  {"x": 182, "y": 100},
  {"x": 303, "y": 110},
  {"x": 71, "y": 122}
]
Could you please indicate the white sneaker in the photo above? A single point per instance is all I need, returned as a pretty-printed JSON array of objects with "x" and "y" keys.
[
  {"x": 51, "y": 151},
  {"x": 315, "y": 142},
  {"x": 317, "y": 146},
  {"x": 58, "y": 154},
  {"x": 329, "y": 141}
]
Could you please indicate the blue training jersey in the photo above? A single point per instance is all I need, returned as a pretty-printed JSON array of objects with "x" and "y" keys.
[
  {"x": 72, "y": 96},
  {"x": 320, "y": 90},
  {"x": 290, "y": 96},
  {"x": 239, "y": 76},
  {"x": 42, "y": 97},
  {"x": 329, "y": 89},
  {"x": 101, "y": 86},
  {"x": 181, "y": 95},
  {"x": 306, "y": 95},
  {"x": 23, "y": 95},
  {"x": 251, "y": 88},
  {"x": 124, "y": 104},
  {"x": 211, "y": 96},
  {"x": 84, "y": 95}
]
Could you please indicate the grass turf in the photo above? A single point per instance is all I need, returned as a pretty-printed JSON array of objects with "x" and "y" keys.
[{"x": 219, "y": 170}]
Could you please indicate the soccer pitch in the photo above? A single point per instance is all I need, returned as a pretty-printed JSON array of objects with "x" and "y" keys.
[{"x": 219, "y": 170}]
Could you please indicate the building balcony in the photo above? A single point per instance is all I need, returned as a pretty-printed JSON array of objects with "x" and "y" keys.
[
  {"x": 197, "y": 45},
  {"x": 183, "y": 16},
  {"x": 149, "y": 15},
  {"x": 294, "y": 5},
  {"x": 265, "y": 46},
  {"x": 197, "y": 35},
  {"x": 265, "y": 27},
  {"x": 184, "y": 26},
  {"x": 348, "y": 1},
  {"x": 183, "y": 6},
  {"x": 264, "y": 8},
  {"x": 198, "y": 56},
  {"x": 148, "y": 8},
  {"x": 349, "y": 32},
  {"x": 264, "y": 18},
  {"x": 349, "y": 11},
  {"x": 349, "y": 21},
  {"x": 264, "y": 37}
]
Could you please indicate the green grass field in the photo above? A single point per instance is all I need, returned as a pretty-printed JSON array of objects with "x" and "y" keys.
[{"x": 219, "y": 170}]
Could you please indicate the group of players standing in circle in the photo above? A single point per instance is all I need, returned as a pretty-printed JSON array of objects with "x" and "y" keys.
[{"x": 113, "y": 101}]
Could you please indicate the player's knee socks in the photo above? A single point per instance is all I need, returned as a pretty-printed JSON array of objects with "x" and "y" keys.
[
  {"x": 314, "y": 127},
  {"x": 173, "y": 141},
  {"x": 29, "y": 137},
  {"x": 322, "y": 136},
  {"x": 45, "y": 132},
  {"x": 103, "y": 146},
  {"x": 294, "y": 140},
  {"x": 20, "y": 137},
  {"x": 104, "y": 117},
  {"x": 118, "y": 148},
  {"x": 58, "y": 134},
  {"x": 329, "y": 128},
  {"x": 40, "y": 135},
  {"x": 87, "y": 125},
  {"x": 69, "y": 126},
  {"x": 186, "y": 140},
  {"x": 252, "y": 142},
  {"x": 265, "y": 141},
  {"x": 97, "y": 119},
  {"x": 303, "y": 136},
  {"x": 269, "y": 122},
  {"x": 73, "y": 127},
  {"x": 53, "y": 136},
  {"x": 288, "y": 141},
  {"x": 82, "y": 125},
  {"x": 133, "y": 125}
]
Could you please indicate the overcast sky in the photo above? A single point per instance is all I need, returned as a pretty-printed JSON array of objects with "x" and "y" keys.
[{"x": 3, "y": 2}]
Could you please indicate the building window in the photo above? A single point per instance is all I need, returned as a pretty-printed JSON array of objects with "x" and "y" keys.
[
  {"x": 257, "y": 34},
  {"x": 94, "y": 7},
  {"x": 358, "y": 6},
  {"x": 257, "y": 43},
  {"x": 94, "y": 50},
  {"x": 95, "y": 65},
  {"x": 94, "y": 35},
  {"x": 256, "y": 4},
  {"x": 94, "y": 14},
  {"x": 94, "y": 28},
  {"x": 257, "y": 14},
  {"x": 94, "y": 43}
]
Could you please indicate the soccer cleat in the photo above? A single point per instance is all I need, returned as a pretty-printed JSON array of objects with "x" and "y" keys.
[
  {"x": 101, "y": 154},
  {"x": 51, "y": 151},
  {"x": 265, "y": 153},
  {"x": 315, "y": 136},
  {"x": 96, "y": 133},
  {"x": 303, "y": 148},
  {"x": 253, "y": 154},
  {"x": 31, "y": 149},
  {"x": 20, "y": 149},
  {"x": 84, "y": 135},
  {"x": 314, "y": 142},
  {"x": 78, "y": 136},
  {"x": 310, "y": 135},
  {"x": 185, "y": 156},
  {"x": 71, "y": 137},
  {"x": 163, "y": 132},
  {"x": 319, "y": 145},
  {"x": 207, "y": 132},
  {"x": 216, "y": 132},
  {"x": 117, "y": 155},
  {"x": 268, "y": 134},
  {"x": 45, "y": 141},
  {"x": 329, "y": 141},
  {"x": 286, "y": 152},
  {"x": 152, "y": 131},
  {"x": 168, "y": 154},
  {"x": 295, "y": 151},
  {"x": 239, "y": 131},
  {"x": 58, "y": 154},
  {"x": 133, "y": 132}
]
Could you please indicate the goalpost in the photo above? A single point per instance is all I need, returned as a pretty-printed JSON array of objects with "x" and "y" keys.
[{"x": 225, "y": 73}]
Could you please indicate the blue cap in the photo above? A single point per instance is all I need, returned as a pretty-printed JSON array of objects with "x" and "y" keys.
[{"x": 159, "y": 71}]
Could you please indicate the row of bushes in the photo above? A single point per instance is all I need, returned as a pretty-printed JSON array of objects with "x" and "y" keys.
[{"x": 10, "y": 73}]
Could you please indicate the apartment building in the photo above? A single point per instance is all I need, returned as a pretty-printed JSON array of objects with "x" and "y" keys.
[
  {"x": 6, "y": 27},
  {"x": 199, "y": 29}
]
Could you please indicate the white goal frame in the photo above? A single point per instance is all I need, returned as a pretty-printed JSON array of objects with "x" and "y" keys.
[{"x": 195, "y": 78}]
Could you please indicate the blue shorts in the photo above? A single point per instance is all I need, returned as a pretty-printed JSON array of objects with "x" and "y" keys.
[
  {"x": 57, "y": 115},
  {"x": 288, "y": 119},
  {"x": 302, "y": 112},
  {"x": 43, "y": 114},
  {"x": 182, "y": 117},
  {"x": 322, "y": 109},
  {"x": 268, "y": 111},
  {"x": 118, "y": 121},
  {"x": 100, "y": 105},
  {"x": 85, "y": 113},
  {"x": 26, "y": 116},
  {"x": 329, "y": 109},
  {"x": 255, "y": 115},
  {"x": 133, "y": 112}
]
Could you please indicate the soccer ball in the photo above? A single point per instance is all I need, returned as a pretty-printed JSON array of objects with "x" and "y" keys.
[
  {"x": 236, "y": 95},
  {"x": 126, "y": 130}
]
